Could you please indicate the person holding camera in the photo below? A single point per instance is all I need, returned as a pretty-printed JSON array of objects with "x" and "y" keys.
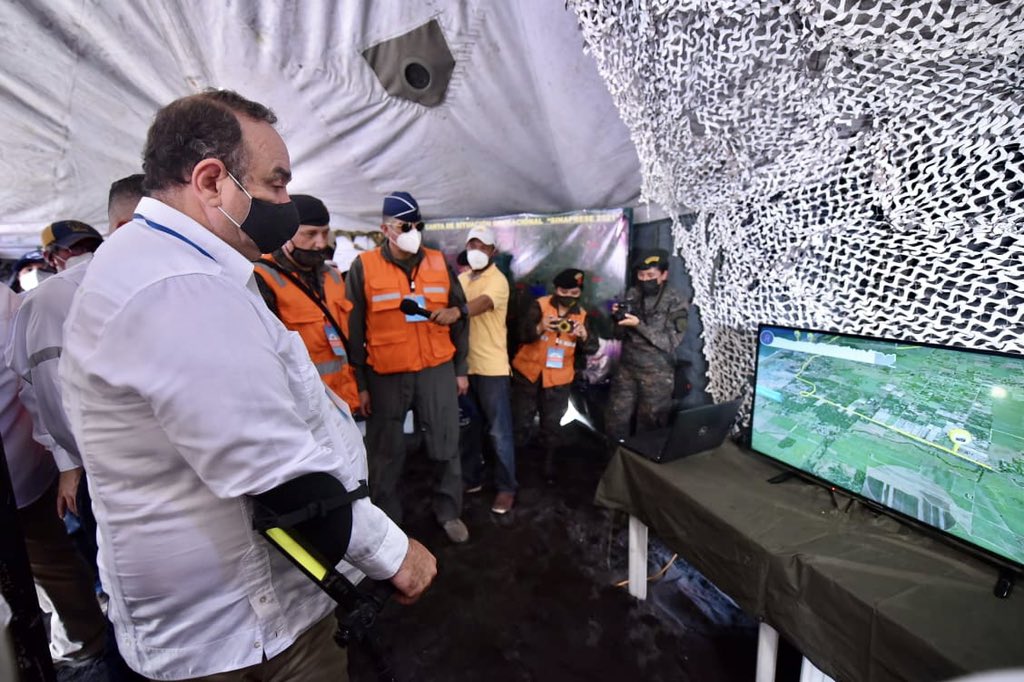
[
  {"x": 651, "y": 322},
  {"x": 552, "y": 332}
]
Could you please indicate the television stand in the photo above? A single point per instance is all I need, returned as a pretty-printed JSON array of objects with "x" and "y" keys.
[
  {"x": 781, "y": 478},
  {"x": 1004, "y": 585}
]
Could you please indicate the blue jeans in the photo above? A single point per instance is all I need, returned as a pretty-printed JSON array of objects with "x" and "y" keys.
[{"x": 492, "y": 399}]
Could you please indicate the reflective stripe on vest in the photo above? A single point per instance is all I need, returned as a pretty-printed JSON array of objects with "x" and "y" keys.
[
  {"x": 329, "y": 367},
  {"x": 394, "y": 344},
  {"x": 279, "y": 280},
  {"x": 531, "y": 360}
]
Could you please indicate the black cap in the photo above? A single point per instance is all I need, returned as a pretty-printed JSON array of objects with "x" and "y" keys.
[
  {"x": 651, "y": 258},
  {"x": 570, "y": 278},
  {"x": 311, "y": 210},
  {"x": 67, "y": 233}
]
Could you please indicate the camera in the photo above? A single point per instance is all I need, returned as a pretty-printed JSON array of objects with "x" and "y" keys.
[
  {"x": 620, "y": 309},
  {"x": 562, "y": 326}
]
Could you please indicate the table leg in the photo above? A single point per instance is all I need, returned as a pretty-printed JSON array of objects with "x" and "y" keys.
[
  {"x": 810, "y": 673},
  {"x": 637, "y": 558},
  {"x": 767, "y": 653}
]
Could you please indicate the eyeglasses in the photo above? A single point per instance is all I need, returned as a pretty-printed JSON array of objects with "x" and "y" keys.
[{"x": 405, "y": 227}]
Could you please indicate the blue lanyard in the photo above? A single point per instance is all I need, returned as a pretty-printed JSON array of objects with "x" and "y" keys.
[{"x": 161, "y": 228}]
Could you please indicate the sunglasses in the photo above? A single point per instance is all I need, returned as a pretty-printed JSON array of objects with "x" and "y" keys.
[{"x": 405, "y": 227}]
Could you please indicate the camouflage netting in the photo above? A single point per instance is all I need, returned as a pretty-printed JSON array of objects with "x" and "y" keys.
[{"x": 845, "y": 165}]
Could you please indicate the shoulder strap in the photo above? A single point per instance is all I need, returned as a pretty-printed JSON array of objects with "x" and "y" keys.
[
  {"x": 314, "y": 510},
  {"x": 312, "y": 297}
]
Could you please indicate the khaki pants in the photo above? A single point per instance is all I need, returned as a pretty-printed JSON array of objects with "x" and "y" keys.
[
  {"x": 63, "y": 581},
  {"x": 313, "y": 657}
]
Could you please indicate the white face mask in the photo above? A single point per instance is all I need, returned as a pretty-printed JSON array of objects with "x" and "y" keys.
[
  {"x": 409, "y": 241},
  {"x": 478, "y": 260},
  {"x": 29, "y": 279}
]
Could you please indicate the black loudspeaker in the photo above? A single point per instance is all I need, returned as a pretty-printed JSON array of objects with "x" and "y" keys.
[{"x": 416, "y": 66}]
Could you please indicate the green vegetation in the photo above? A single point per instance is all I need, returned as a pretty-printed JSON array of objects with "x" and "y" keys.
[{"x": 937, "y": 435}]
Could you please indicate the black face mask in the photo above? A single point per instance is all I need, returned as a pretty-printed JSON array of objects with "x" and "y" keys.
[
  {"x": 567, "y": 301},
  {"x": 308, "y": 258},
  {"x": 268, "y": 224},
  {"x": 650, "y": 287}
]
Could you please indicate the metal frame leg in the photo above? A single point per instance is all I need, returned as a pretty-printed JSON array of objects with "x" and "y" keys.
[
  {"x": 810, "y": 673},
  {"x": 767, "y": 653},
  {"x": 637, "y": 558}
]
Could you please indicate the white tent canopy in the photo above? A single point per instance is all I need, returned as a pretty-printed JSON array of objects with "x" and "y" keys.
[{"x": 527, "y": 124}]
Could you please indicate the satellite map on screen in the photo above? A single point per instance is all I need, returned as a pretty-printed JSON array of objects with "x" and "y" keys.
[{"x": 936, "y": 434}]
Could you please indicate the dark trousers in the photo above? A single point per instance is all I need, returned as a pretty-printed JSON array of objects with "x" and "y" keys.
[
  {"x": 78, "y": 630},
  {"x": 433, "y": 395},
  {"x": 85, "y": 536},
  {"x": 493, "y": 407},
  {"x": 529, "y": 397},
  {"x": 648, "y": 393}
]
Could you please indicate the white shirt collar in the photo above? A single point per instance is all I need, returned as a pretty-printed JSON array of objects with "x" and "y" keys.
[{"x": 235, "y": 266}]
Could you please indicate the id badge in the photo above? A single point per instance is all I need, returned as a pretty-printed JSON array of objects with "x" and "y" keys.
[
  {"x": 421, "y": 302},
  {"x": 556, "y": 358},
  {"x": 332, "y": 338}
]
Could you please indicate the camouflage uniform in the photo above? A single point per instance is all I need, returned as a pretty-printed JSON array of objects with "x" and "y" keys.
[{"x": 646, "y": 372}]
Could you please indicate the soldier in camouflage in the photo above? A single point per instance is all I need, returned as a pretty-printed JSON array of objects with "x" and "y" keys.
[{"x": 650, "y": 332}]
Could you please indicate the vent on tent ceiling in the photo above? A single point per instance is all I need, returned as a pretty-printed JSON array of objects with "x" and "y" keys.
[{"x": 416, "y": 66}]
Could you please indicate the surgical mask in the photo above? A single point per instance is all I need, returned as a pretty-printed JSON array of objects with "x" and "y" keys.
[
  {"x": 650, "y": 287},
  {"x": 268, "y": 224},
  {"x": 567, "y": 301},
  {"x": 29, "y": 279},
  {"x": 308, "y": 258},
  {"x": 478, "y": 260},
  {"x": 410, "y": 241}
]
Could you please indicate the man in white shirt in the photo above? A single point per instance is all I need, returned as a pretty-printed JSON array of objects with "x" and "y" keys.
[
  {"x": 77, "y": 628},
  {"x": 187, "y": 395},
  {"x": 36, "y": 344}
]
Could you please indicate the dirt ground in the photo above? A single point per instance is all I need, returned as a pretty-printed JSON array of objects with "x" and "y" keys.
[{"x": 531, "y": 596}]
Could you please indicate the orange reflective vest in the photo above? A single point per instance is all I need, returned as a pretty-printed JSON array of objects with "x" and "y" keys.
[
  {"x": 395, "y": 343},
  {"x": 299, "y": 314},
  {"x": 551, "y": 356}
]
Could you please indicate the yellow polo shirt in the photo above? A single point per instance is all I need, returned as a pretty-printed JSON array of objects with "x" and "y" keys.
[{"x": 488, "y": 338}]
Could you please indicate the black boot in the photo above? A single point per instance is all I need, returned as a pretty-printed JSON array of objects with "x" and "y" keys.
[{"x": 549, "y": 466}]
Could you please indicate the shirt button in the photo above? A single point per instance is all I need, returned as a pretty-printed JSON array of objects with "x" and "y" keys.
[
  {"x": 255, "y": 645},
  {"x": 263, "y": 600}
]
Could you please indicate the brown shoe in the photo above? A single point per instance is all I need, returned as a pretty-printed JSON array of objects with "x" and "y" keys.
[{"x": 503, "y": 503}]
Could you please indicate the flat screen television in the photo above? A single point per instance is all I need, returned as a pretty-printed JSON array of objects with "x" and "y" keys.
[{"x": 933, "y": 433}]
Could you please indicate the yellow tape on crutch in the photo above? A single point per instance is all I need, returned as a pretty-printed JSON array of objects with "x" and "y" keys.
[{"x": 289, "y": 546}]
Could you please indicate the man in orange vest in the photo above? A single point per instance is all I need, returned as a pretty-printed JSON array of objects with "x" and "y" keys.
[
  {"x": 404, "y": 360},
  {"x": 553, "y": 332},
  {"x": 308, "y": 295}
]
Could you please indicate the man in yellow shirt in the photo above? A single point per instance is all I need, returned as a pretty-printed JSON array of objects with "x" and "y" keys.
[{"x": 487, "y": 293}]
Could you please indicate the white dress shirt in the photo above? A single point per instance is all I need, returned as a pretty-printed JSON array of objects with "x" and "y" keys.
[
  {"x": 34, "y": 351},
  {"x": 31, "y": 467},
  {"x": 185, "y": 394}
]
